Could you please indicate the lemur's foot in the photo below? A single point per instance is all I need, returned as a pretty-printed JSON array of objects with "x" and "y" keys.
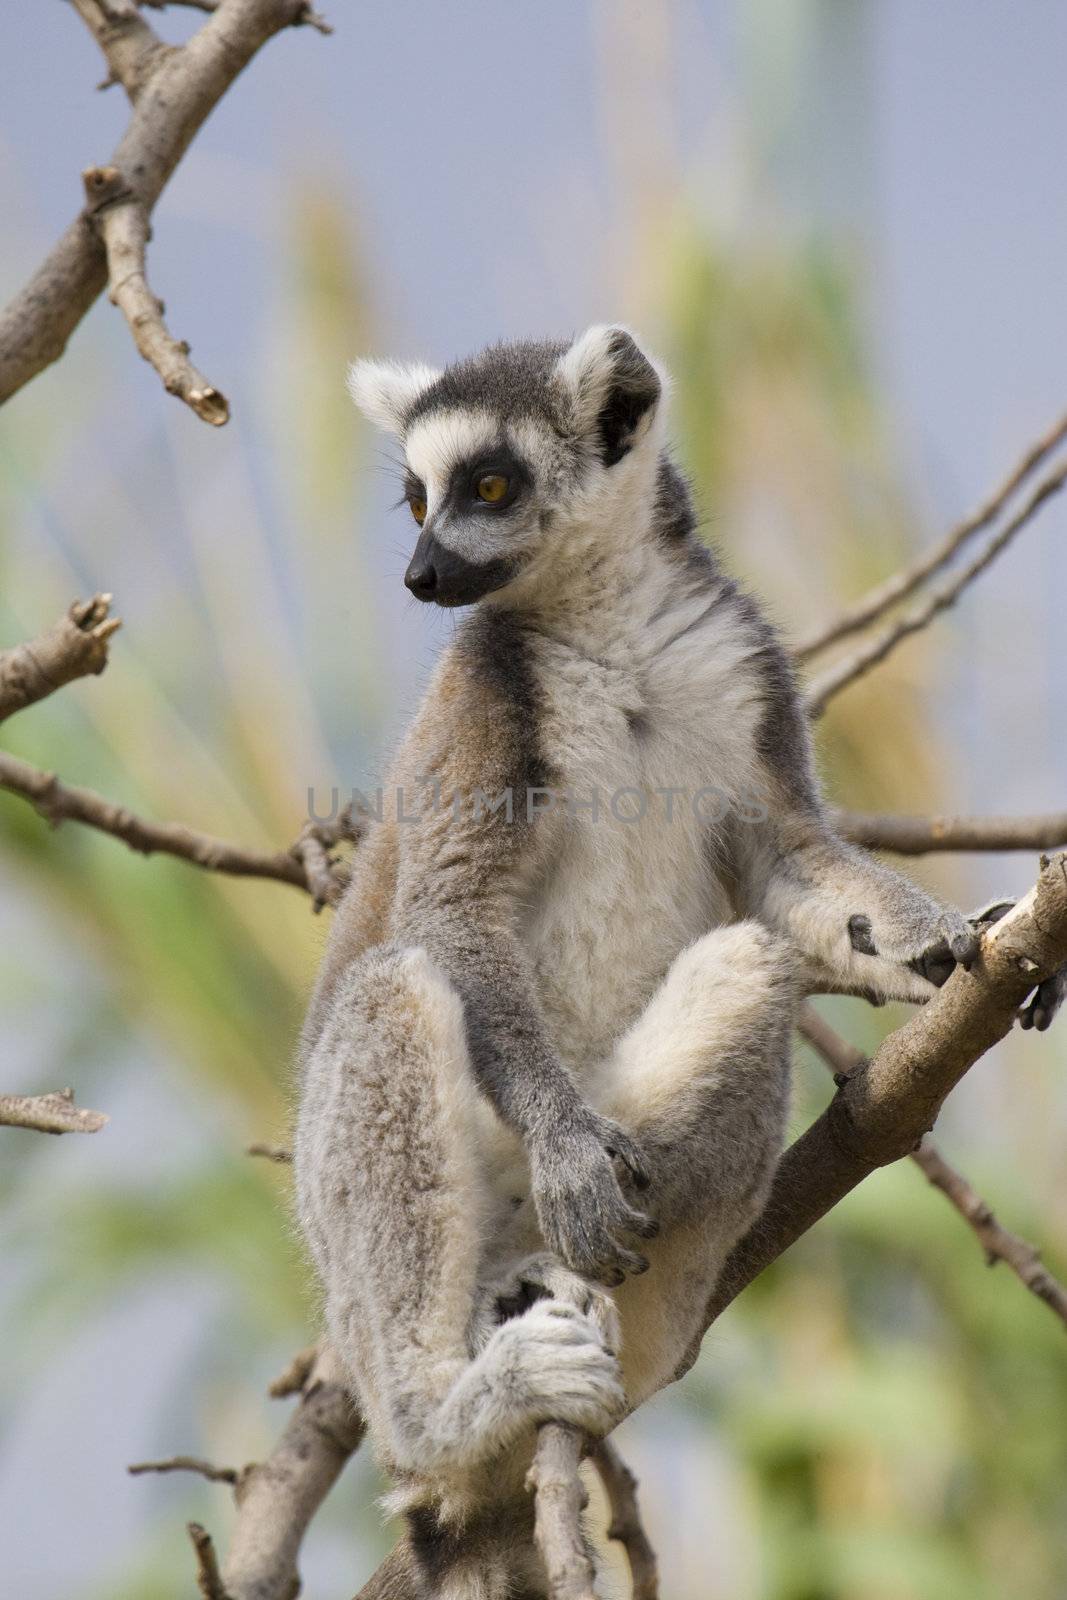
[
  {"x": 543, "y": 1277},
  {"x": 552, "y": 1364},
  {"x": 1048, "y": 996}
]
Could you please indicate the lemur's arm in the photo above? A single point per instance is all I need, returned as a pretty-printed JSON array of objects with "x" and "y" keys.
[
  {"x": 462, "y": 866},
  {"x": 864, "y": 929},
  {"x": 868, "y": 931}
]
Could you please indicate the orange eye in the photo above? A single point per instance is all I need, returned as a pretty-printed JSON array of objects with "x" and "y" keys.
[
  {"x": 492, "y": 488},
  {"x": 418, "y": 510}
]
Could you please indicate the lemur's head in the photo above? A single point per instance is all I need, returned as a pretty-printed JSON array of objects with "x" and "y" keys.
[{"x": 510, "y": 453}]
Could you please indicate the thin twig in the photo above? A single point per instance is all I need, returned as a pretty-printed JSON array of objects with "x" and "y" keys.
[
  {"x": 880, "y": 645},
  {"x": 180, "y": 91},
  {"x": 560, "y": 1497},
  {"x": 130, "y": 45},
  {"x": 58, "y": 802},
  {"x": 879, "y": 599},
  {"x": 75, "y": 648},
  {"x": 185, "y": 1464},
  {"x": 997, "y": 1241},
  {"x": 122, "y": 221},
  {"x": 919, "y": 836},
  {"x": 208, "y": 1578},
  {"x": 626, "y": 1526},
  {"x": 49, "y": 1113},
  {"x": 270, "y": 1152},
  {"x": 306, "y": 18},
  {"x": 293, "y": 1379}
]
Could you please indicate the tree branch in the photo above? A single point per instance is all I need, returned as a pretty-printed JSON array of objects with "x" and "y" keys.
[
  {"x": 49, "y": 1113},
  {"x": 277, "y": 1499},
  {"x": 997, "y": 1241},
  {"x": 130, "y": 45},
  {"x": 74, "y": 648},
  {"x": 879, "y": 599},
  {"x": 830, "y": 683},
  {"x": 306, "y": 18},
  {"x": 171, "y": 104},
  {"x": 626, "y": 1526},
  {"x": 185, "y": 1464},
  {"x": 919, "y": 836},
  {"x": 122, "y": 222},
  {"x": 882, "y": 1110},
  {"x": 207, "y": 1567},
  {"x": 77, "y": 645},
  {"x": 559, "y": 1499},
  {"x": 58, "y": 802}
]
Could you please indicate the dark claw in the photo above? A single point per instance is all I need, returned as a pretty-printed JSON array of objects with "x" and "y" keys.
[
  {"x": 861, "y": 935},
  {"x": 1045, "y": 1002},
  {"x": 964, "y": 947}
]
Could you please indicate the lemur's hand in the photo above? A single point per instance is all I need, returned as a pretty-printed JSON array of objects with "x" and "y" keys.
[
  {"x": 953, "y": 939},
  {"x": 938, "y": 940},
  {"x": 579, "y": 1199}
]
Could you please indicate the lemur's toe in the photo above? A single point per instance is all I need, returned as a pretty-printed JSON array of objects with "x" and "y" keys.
[
  {"x": 1045, "y": 1002},
  {"x": 861, "y": 935}
]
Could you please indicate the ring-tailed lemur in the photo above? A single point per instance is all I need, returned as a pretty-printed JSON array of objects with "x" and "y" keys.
[{"x": 549, "y": 1045}]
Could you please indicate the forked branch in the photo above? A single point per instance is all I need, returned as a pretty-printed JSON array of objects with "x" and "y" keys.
[
  {"x": 880, "y": 599},
  {"x": 998, "y": 1242},
  {"x": 938, "y": 599},
  {"x": 174, "y": 89}
]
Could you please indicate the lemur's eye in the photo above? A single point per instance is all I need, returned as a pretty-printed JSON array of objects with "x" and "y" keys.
[
  {"x": 492, "y": 488},
  {"x": 418, "y": 509}
]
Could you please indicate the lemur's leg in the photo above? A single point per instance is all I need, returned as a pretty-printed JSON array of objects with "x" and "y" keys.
[
  {"x": 393, "y": 1198},
  {"x": 702, "y": 1077}
]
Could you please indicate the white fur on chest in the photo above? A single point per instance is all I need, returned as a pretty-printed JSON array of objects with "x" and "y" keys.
[{"x": 651, "y": 737}]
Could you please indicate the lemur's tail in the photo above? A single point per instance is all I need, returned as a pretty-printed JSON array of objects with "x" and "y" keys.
[{"x": 492, "y": 1558}]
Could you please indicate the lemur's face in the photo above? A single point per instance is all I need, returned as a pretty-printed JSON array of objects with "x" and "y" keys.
[{"x": 507, "y": 451}]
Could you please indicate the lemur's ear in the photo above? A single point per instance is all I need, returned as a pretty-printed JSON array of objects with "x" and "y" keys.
[
  {"x": 385, "y": 391},
  {"x": 613, "y": 388}
]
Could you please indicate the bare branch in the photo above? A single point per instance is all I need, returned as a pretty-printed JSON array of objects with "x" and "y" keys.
[
  {"x": 939, "y": 599},
  {"x": 122, "y": 222},
  {"x": 919, "y": 836},
  {"x": 172, "y": 102},
  {"x": 559, "y": 1499},
  {"x": 58, "y": 802},
  {"x": 207, "y": 1567},
  {"x": 626, "y": 1526},
  {"x": 185, "y": 1464},
  {"x": 879, "y": 599},
  {"x": 883, "y": 1108},
  {"x": 270, "y": 1152},
  {"x": 75, "y": 648},
  {"x": 131, "y": 46},
  {"x": 49, "y": 1113},
  {"x": 997, "y": 1241},
  {"x": 914, "y": 835},
  {"x": 277, "y": 1499},
  {"x": 305, "y": 18},
  {"x": 294, "y": 1378}
]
